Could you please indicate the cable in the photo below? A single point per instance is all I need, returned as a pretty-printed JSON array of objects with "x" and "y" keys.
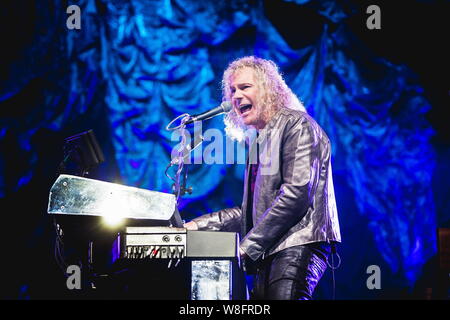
[
  {"x": 333, "y": 280},
  {"x": 332, "y": 267},
  {"x": 59, "y": 248}
]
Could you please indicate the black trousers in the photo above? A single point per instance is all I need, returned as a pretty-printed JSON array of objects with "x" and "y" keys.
[{"x": 291, "y": 274}]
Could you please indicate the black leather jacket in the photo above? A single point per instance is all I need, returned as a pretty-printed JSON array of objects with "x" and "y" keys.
[{"x": 293, "y": 201}]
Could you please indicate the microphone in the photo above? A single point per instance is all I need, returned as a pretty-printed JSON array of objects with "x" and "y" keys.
[{"x": 223, "y": 108}]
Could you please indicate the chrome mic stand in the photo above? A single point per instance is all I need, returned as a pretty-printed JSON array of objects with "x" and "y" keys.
[{"x": 178, "y": 187}]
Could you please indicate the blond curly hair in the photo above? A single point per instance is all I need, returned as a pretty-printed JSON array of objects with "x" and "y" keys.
[{"x": 273, "y": 93}]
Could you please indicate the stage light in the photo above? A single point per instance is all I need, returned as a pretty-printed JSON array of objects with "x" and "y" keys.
[
  {"x": 113, "y": 212},
  {"x": 113, "y": 220}
]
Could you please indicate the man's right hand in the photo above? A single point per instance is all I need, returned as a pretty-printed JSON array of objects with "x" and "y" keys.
[{"x": 191, "y": 225}]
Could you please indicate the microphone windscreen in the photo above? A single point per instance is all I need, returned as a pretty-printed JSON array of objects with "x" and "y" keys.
[{"x": 226, "y": 106}]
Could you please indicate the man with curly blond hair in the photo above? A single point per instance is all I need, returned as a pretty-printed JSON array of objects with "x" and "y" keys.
[{"x": 288, "y": 218}]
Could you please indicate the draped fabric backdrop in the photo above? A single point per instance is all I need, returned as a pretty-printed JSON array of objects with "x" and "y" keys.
[{"x": 135, "y": 65}]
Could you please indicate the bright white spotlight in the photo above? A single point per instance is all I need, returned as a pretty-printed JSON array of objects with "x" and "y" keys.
[
  {"x": 113, "y": 220},
  {"x": 113, "y": 212}
]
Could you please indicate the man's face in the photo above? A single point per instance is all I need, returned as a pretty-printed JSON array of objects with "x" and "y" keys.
[{"x": 244, "y": 97}]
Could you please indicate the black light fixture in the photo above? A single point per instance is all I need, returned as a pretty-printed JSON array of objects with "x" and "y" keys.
[{"x": 81, "y": 154}]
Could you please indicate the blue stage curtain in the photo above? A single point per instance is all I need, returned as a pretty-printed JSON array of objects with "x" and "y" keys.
[{"x": 155, "y": 60}]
